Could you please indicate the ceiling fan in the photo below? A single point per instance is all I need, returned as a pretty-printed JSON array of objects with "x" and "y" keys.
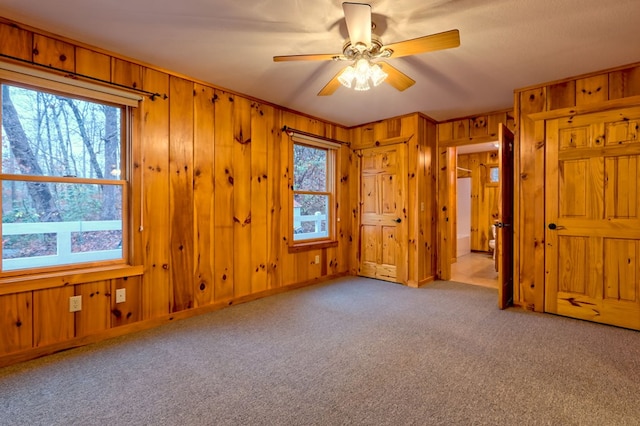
[{"x": 364, "y": 49}]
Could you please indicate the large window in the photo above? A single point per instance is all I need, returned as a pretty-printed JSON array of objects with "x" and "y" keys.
[
  {"x": 63, "y": 179},
  {"x": 313, "y": 192}
]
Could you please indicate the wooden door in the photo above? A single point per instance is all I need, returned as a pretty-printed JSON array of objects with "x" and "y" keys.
[
  {"x": 592, "y": 210},
  {"x": 383, "y": 241},
  {"x": 504, "y": 228}
]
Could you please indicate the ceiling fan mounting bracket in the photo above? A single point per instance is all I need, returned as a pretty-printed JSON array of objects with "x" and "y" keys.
[{"x": 352, "y": 52}]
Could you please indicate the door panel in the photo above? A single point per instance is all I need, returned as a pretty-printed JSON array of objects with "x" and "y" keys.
[
  {"x": 383, "y": 240},
  {"x": 593, "y": 228},
  {"x": 504, "y": 246}
]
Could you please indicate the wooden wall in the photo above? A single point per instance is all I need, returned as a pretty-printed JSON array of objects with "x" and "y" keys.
[
  {"x": 471, "y": 130},
  {"x": 592, "y": 92},
  {"x": 484, "y": 195},
  {"x": 209, "y": 188}
]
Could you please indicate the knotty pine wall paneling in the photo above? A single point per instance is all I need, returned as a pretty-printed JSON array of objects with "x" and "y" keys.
[
  {"x": 475, "y": 129},
  {"x": 427, "y": 208},
  {"x": 242, "y": 226},
  {"x": 275, "y": 201},
  {"x": 52, "y": 321},
  {"x": 96, "y": 65},
  {"x": 409, "y": 127},
  {"x": 354, "y": 203},
  {"x": 208, "y": 199},
  {"x": 527, "y": 213},
  {"x": 223, "y": 196},
  {"x": 16, "y": 322},
  {"x": 203, "y": 188},
  {"x": 181, "y": 101},
  {"x": 155, "y": 196},
  {"x": 95, "y": 315},
  {"x": 54, "y": 53},
  {"x": 15, "y": 41},
  {"x": 338, "y": 259},
  {"x": 130, "y": 311},
  {"x": 262, "y": 132}
]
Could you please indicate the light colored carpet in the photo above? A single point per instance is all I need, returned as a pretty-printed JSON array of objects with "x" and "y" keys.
[{"x": 352, "y": 351}]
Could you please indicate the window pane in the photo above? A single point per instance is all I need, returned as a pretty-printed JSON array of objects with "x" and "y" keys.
[
  {"x": 494, "y": 174},
  {"x": 47, "y": 224},
  {"x": 45, "y": 134},
  {"x": 309, "y": 168},
  {"x": 310, "y": 216}
]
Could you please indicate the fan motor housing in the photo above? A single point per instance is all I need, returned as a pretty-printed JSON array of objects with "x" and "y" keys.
[{"x": 351, "y": 51}]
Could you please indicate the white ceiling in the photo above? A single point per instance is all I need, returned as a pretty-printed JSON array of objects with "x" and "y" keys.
[{"x": 505, "y": 45}]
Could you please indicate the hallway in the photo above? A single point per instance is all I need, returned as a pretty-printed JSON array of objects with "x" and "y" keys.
[{"x": 476, "y": 268}]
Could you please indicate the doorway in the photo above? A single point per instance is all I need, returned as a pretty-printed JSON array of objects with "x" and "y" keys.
[
  {"x": 503, "y": 219},
  {"x": 476, "y": 209}
]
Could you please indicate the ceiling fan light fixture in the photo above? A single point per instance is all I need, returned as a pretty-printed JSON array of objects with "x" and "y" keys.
[
  {"x": 362, "y": 71},
  {"x": 361, "y": 75},
  {"x": 362, "y": 84},
  {"x": 347, "y": 76},
  {"x": 377, "y": 75}
]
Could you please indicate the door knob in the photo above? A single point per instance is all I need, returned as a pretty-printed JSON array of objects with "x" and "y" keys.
[
  {"x": 398, "y": 220},
  {"x": 553, "y": 226}
]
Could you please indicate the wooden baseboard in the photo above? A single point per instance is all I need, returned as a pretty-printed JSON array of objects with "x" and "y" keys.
[
  {"x": 426, "y": 281},
  {"x": 33, "y": 353}
]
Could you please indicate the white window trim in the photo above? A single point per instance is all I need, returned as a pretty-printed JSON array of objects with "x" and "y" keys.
[
  {"x": 52, "y": 81},
  {"x": 313, "y": 141}
]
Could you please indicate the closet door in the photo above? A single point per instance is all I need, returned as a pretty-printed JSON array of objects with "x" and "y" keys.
[
  {"x": 592, "y": 257},
  {"x": 383, "y": 240}
]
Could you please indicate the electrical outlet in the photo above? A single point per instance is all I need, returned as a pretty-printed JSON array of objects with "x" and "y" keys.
[
  {"x": 317, "y": 259},
  {"x": 121, "y": 295},
  {"x": 75, "y": 303}
]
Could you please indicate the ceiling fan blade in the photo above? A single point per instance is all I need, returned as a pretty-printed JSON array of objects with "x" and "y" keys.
[
  {"x": 396, "y": 78},
  {"x": 440, "y": 41},
  {"x": 358, "y": 19},
  {"x": 331, "y": 86},
  {"x": 318, "y": 57}
]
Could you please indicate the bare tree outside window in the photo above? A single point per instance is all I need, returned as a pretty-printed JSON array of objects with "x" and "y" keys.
[
  {"x": 62, "y": 191},
  {"x": 311, "y": 193}
]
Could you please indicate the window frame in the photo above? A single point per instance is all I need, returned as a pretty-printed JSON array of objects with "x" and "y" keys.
[
  {"x": 33, "y": 79},
  {"x": 332, "y": 150},
  {"x": 490, "y": 168}
]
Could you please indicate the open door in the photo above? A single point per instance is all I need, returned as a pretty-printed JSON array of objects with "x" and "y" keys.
[{"x": 504, "y": 234}]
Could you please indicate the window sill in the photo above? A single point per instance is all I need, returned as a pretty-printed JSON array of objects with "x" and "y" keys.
[
  {"x": 22, "y": 283},
  {"x": 315, "y": 245}
]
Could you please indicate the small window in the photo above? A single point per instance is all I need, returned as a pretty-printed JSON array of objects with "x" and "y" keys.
[
  {"x": 313, "y": 193},
  {"x": 63, "y": 181},
  {"x": 494, "y": 174}
]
